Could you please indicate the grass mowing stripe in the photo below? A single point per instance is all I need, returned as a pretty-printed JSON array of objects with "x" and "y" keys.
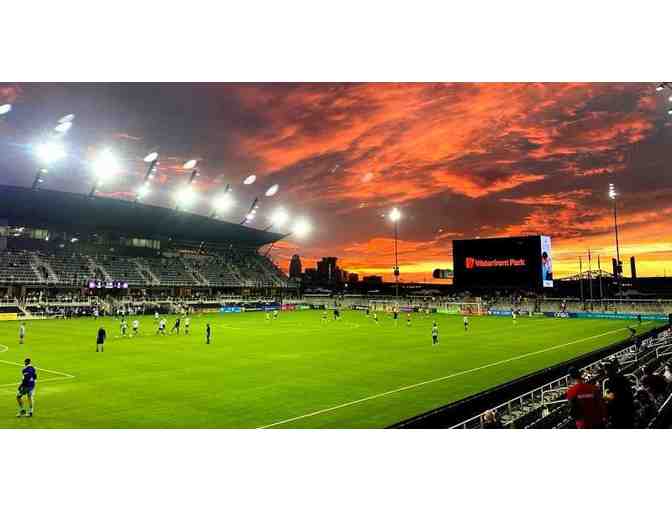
[{"x": 438, "y": 379}]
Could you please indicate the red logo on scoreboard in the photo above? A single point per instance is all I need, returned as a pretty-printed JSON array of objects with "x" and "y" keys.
[{"x": 474, "y": 263}]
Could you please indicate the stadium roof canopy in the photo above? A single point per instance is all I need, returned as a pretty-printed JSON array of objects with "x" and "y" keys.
[{"x": 70, "y": 212}]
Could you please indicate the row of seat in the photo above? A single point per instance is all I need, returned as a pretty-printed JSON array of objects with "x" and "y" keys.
[{"x": 233, "y": 269}]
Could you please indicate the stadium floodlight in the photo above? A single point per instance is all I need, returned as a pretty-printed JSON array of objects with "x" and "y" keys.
[
  {"x": 612, "y": 191},
  {"x": 223, "y": 203},
  {"x": 301, "y": 228},
  {"x": 5, "y": 109},
  {"x": 279, "y": 217},
  {"x": 151, "y": 157},
  {"x": 669, "y": 112},
  {"x": 105, "y": 165},
  {"x": 272, "y": 190},
  {"x": 67, "y": 118},
  {"x": 63, "y": 127},
  {"x": 190, "y": 165},
  {"x": 143, "y": 190},
  {"x": 250, "y": 179},
  {"x": 50, "y": 152},
  {"x": 395, "y": 215},
  {"x": 186, "y": 197}
]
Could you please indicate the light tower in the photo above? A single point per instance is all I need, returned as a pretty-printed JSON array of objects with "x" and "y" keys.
[
  {"x": 617, "y": 276},
  {"x": 395, "y": 216},
  {"x": 153, "y": 160}
]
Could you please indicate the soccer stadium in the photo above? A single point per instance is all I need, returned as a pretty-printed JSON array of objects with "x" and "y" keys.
[{"x": 146, "y": 316}]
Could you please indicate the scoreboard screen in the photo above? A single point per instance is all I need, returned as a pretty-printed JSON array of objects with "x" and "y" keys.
[
  {"x": 506, "y": 262},
  {"x": 103, "y": 284}
]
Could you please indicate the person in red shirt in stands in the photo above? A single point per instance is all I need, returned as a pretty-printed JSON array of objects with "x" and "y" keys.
[{"x": 585, "y": 402}]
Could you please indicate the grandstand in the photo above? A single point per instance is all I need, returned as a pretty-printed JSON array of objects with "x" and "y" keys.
[{"x": 62, "y": 240}]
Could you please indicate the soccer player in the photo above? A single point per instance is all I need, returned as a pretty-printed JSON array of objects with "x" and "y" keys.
[
  {"x": 275, "y": 314},
  {"x": 100, "y": 339},
  {"x": 324, "y": 316},
  {"x": 156, "y": 317},
  {"x": 27, "y": 388},
  {"x": 268, "y": 316},
  {"x": 22, "y": 332},
  {"x": 335, "y": 313},
  {"x": 176, "y": 326},
  {"x": 435, "y": 334},
  {"x": 375, "y": 317},
  {"x": 395, "y": 315},
  {"x": 96, "y": 313},
  {"x": 639, "y": 318},
  {"x": 123, "y": 326},
  {"x": 514, "y": 315},
  {"x": 466, "y": 322},
  {"x": 162, "y": 327},
  {"x": 187, "y": 321},
  {"x": 208, "y": 333},
  {"x": 408, "y": 319},
  {"x": 136, "y": 326}
]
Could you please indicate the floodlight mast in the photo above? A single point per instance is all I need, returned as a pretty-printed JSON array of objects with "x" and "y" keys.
[
  {"x": 192, "y": 165},
  {"x": 617, "y": 276},
  {"x": 215, "y": 209},
  {"x": 251, "y": 212},
  {"x": 153, "y": 159},
  {"x": 395, "y": 216},
  {"x": 48, "y": 153}
]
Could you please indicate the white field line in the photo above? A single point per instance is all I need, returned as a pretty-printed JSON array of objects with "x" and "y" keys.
[
  {"x": 62, "y": 375},
  {"x": 438, "y": 379}
]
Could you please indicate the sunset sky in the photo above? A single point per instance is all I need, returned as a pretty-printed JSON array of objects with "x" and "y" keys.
[{"x": 459, "y": 160}]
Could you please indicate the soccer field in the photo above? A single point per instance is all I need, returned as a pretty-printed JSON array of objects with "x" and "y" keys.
[{"x": 291, "y": 372}]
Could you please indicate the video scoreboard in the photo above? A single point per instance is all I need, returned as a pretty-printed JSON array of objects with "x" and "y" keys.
[
  {"x": 506, "y": 262},
  {"x": 104, "y": 284}
]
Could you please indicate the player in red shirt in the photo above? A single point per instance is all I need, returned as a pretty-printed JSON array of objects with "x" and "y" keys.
[{"x": 586, "y": 402}]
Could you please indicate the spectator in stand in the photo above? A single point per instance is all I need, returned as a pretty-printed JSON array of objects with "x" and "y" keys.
[
  {"x": 620, "y": 404},
  {"x": 655, "y": 385},
  {"x": 489, "y": 420},
  {"x": 667, "y": 374},
  {"x": 645, "y": 409},
  {"x": 585, "y": 402}
]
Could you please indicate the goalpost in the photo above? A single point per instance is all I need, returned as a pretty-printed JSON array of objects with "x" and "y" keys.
[{"x": 462, "y": 308}]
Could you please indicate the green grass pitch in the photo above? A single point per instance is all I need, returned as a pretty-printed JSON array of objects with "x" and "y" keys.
[{"x": 291, "y": 372}]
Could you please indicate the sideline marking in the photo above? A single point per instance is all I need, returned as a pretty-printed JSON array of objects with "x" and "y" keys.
[
  {"x": 438, "y": 379},
  {"x": 62, "y": 375}
]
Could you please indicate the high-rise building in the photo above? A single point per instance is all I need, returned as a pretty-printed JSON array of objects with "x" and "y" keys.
[
  {"x": 327, "y": 269},
  {"x": 295, "y": 268}
]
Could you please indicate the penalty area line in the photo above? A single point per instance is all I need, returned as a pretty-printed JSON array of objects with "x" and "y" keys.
[{"x": 438, "y": 379}]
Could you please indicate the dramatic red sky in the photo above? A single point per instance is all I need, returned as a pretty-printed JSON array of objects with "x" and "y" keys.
[{"x": 459, "y": 160}]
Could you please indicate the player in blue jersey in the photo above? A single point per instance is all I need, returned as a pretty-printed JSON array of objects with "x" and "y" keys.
[{"x": 27, "y": 389}]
